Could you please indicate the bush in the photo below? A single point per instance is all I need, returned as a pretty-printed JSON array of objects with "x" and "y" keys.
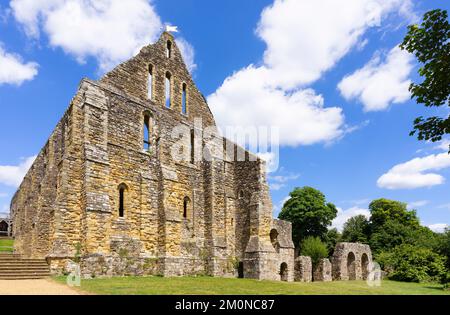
[
  {"x": 314, "y": 248},
  {"x": 412, "y": 264}
]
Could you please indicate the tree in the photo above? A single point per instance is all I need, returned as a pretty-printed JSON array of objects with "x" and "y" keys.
[
  {"x": 356, "y": 229},
  {"x": 308, "y": 212},
  {"x": 444, "y": 246},
  {"x": 385, "y": 210},
  {"x": 413, "y": 264},
  {"x": 314, "y": 248},
  {"x": 430, "y": 43},
  {"x": 331, "y": 239}
]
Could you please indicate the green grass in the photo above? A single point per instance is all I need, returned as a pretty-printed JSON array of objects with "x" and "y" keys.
[
  {"x": 222, "y": 286},
  {"x": 6, "y": 245}
]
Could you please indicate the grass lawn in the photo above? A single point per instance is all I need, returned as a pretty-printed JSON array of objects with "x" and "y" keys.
[
  {"x": 222, "y": 286},
  {"x": 6, "y": 245}
]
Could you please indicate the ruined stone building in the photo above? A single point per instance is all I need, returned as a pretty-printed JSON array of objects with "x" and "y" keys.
[{"x": 105, "y": 190}]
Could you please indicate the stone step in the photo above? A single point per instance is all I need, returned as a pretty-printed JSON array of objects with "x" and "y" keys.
[
  {"x": 22, "y": 277},
  {"x": 5, "y": 261},
  {"x": 24, "y": 272},
  {"x": 22, "y": 264},
  {"x": 23, "y": 268}
]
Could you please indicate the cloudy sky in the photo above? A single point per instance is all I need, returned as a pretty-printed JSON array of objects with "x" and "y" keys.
[{"x": 329, "y": 76}]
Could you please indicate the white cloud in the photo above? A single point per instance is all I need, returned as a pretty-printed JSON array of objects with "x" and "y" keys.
[
  {"x": 12, "y": 175},
  {"x": 13, "y": 70},
  {"x": 438, "y": 227},
  {"x": 109, "y": 30},
  {"x": 380, "y": 83},
  {"x": 443, "y": 145},
  {"x": 277, "y": 182},
  {"x": 304, "y": 39},
  {"x": 344, "y": 215},
  {"x": 417, "y": 204},
  {"x": 416, "y": 173},
  {"x": 247, "y": 99}
]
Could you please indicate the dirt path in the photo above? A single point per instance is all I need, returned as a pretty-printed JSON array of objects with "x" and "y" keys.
[{"x": 34, "y": 287}]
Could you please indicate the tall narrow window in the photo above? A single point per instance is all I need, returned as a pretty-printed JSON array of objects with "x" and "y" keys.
[
  {"x": 147, "y": 131},
  {"x": 192, "y": 146},
  {"x": 168, "y": 90},
  {"x": 186, "y": 205},
  {"x": 122, "y": 189},
  {"x": 169, "y": 49},
  {"x": 150, "y": 82},
  {"x": 184, "y": 100}
]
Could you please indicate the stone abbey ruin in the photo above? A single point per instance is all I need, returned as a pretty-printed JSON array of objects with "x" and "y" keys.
[{"x": 106, "y": 192}]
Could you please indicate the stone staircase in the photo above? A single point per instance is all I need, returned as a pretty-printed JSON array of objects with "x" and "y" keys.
[{"x": 13, "y": 267}]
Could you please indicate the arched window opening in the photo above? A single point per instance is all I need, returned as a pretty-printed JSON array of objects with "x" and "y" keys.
[
  {"x": 169, "y": 49},
  {"x": 122, "y": 189},
  {"x": 147, "y": 131},
  {"x": 284, "y": 272},
  {"x": 150, "y": 83},
  {"x": 168, "y": 89},
  {"x": 192, "y": 146},
  {"x": 241, "y": 194},
  {"x": 186, "y": 203},
  {"x": 184, "y": 99},
  {"x": 274, "y": 240}
]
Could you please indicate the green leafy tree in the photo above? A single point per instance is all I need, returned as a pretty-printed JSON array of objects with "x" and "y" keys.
[
  {"x": 413, "y": 264},
  {"x": 385, "y": 210},
  {"x": 430, "y": 43},
  {"x": 331, "y": 239},
  {"x": 356, "y": 229},
  {"x": 313, "y": 247},
  {"x": 309, "y": 213},
  {"x": 444, "y": 246}
]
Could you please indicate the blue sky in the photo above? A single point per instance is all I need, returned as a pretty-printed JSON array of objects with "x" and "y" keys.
[{"x": 328, "y": 76}]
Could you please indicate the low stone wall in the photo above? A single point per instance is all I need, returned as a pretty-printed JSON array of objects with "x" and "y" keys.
[
  {"x": 323, "y": 271},
  {"x": 303, "y": 269}
]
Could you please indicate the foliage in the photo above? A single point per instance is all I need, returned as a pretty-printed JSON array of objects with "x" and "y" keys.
[
  {"x": 356, "y": 229},
  {"x": 385, "y": 210},
  {"x": 331, "y": 239},
  {"x": 309, "y": 213},
  {"x": 443, "y": 246},
  {"x": 430, "y": 43},
  {"x": 412, "y": 264},
  {"x": 314, "y": 248}
]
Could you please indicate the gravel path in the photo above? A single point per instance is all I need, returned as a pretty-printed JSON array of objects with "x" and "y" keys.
[{"x": 35, "y": 287}]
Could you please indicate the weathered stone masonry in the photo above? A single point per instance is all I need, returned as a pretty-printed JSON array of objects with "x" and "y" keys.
[{"x": 179, "y": 218}]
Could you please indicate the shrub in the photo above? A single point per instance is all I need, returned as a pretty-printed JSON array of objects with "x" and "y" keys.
[
  {"x": 412, "y": 264},
  {"x": 314, "y": 248}
]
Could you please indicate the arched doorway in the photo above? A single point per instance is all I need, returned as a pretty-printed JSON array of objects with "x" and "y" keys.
[
  {"x": 351, "y": 266},
  {"x": 3, "y": 228},
  {"x": 284, "y": 272},
  {"x": 364, "y": 266}
]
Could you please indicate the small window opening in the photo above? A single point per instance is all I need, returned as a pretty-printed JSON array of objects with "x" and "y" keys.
[
  {"x": 169, "y": 49},
  {"x": 192, "y": 146},
  {"x": 184, "y": 100},
  {"x": 122, "y": 200},
  {"x": 168, "y": 90},
  {"x": 147, "y": 132}
]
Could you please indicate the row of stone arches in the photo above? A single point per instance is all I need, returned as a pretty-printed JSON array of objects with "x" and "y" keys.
[{"x": 352, "y": 266}]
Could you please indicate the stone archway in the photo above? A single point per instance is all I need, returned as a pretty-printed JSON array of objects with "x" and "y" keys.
[
  {"x": 364, "y": 266},
  {"x": 284, "y": 272},
  {"x": 351, "y": 266}
]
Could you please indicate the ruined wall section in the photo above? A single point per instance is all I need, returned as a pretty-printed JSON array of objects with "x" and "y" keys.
[{"x": 44, "y": 215}]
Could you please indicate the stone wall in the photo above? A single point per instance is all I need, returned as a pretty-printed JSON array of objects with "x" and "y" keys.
[
  {"x": 322, "y": 271},
  {"x": 351, "y": 261},
  {"x": 180, "y": 217},
  {"x": 303, "y": 269}
]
